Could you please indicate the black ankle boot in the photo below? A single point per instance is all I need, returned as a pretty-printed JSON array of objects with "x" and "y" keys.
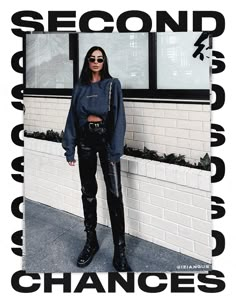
[
  {"x": 89, "y": 250},
  {"x": 119, "y": 261}
]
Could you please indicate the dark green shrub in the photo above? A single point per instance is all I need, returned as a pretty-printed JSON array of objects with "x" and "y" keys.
[{"x": 204, "y": 163}]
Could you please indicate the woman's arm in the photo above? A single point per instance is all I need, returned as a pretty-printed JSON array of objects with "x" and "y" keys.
[
  {"x": 69, "y": 140},
  {"x": 116, "y": 144}
]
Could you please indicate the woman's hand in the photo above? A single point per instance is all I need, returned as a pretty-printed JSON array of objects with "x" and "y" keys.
[{"x": 72, "y": 163}]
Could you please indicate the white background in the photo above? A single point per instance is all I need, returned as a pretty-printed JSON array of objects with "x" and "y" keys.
[{"x": 11, "y": 117}]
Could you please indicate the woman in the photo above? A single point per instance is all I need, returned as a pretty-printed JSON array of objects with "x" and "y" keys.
[{"x": 96, "y": 124}]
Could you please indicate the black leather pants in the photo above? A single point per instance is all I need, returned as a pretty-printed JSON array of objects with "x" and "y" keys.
[{"x": 89, "y": 146}]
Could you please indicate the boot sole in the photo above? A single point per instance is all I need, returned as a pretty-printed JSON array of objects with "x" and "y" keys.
[
  {"x": 89, "y": 260},
  {"x": 119, "y": 270}
]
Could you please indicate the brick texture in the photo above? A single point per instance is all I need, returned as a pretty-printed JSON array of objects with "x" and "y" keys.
[{"x": 166, "y": 128}]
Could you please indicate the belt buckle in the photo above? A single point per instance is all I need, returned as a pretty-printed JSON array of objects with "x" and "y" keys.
[{"x": 93, "y": 125}]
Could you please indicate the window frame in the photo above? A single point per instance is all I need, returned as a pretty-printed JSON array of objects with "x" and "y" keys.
[{"x": 153, "y": 94}]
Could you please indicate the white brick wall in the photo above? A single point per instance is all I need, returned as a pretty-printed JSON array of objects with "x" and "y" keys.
[
  {"x": 170, "y": 211},
  {"x": 167, "y": 128}
]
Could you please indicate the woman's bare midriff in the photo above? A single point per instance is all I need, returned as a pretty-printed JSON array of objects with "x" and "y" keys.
[{"x": 93, "y": 118}]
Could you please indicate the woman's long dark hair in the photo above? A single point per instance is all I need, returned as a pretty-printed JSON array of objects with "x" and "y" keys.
[{"x": 86, "y": 73}]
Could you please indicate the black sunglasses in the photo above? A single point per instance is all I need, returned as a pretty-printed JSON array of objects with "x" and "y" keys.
[{"x": 92, "y": 60}]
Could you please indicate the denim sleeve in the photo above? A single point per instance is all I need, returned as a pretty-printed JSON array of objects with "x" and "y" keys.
[
  {"x": 69, "y": 140},
  {"x": 116, "y": 146}
]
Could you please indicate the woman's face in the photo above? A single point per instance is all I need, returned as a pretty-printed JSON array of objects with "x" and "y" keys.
[{"x": 96, "y": 61}]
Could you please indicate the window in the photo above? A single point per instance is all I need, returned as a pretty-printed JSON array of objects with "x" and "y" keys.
[
  {"x": 47, "y": 61},
  {"x": 127, "y": 56},
  {"x": 177, "y": 68}
]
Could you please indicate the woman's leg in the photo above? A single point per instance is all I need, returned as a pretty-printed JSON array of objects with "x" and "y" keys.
[
  {"x": 111, "y": 172},
  {"x": 87, "y": 168}
]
